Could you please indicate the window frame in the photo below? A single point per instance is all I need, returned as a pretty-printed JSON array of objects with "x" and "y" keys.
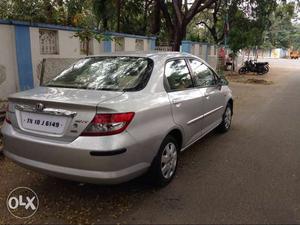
[
  {"x": 137, "y": 40},
  {"x": 56, "y": 32},
  {"x": 119, "y": 47},
  {"x": 166, "y": 82},
  {"x": 215, "y": 75},
  {"x": 140, "y": 86}
]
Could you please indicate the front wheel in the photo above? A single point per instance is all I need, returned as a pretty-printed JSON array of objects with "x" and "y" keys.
[
  {"x": 226, "y": 119},
  {"x": 164, "y": 165}
]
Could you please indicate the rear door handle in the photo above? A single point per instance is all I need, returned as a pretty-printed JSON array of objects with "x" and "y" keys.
[
  {"x": 177, "y": 101},
  {"x": 207, "y": 96}
]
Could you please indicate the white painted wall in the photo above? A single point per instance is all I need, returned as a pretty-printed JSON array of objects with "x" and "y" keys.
[
  {"x": 68, "y": 46},
  {"x": 146, "y": 45},
  {"x": 129, "y": 44},
  {"x": 8, "y": 62},
  {"x": 196, "y": 48},
  {"x": 97, "y": 47},
  {"x": 203, "y": 51}
]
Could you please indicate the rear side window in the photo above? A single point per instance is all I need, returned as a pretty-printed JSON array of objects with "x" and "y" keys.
[
  {"x": 121, "y": 73},
  {"x": 203, "y": 75},
  {"x": 178, "y": 75}
]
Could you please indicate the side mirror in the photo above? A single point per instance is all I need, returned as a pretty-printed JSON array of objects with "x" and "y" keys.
[
  {"x": 219, "y": 86},
  {"x": 222, "y": 81}
]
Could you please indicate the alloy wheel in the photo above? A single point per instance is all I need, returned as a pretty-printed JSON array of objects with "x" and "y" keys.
[
  {"x": 227, "y": 118},
  {"x": 169, "y": 160}
]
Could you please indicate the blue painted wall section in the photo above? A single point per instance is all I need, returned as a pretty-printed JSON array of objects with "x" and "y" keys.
[
  {"x": 107, "y": 44},
  {"x": 23, "y": 53},
  {"x": 186, "y": 46},
  {"x": 152, "y": 43}
]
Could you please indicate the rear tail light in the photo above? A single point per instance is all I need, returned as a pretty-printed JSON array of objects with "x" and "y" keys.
[
  {"x": 108, "y": 124},
  {"x": 7, "y": 119}
]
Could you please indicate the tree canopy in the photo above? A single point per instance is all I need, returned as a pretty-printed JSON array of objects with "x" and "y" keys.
[{"x": 242, "y": 23}]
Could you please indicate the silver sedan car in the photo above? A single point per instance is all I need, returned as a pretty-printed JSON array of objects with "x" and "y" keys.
[{"x": 110, "y": 118}]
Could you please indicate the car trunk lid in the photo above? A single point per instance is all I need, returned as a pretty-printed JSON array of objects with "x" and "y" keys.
[{"x": 57, "y": 113}]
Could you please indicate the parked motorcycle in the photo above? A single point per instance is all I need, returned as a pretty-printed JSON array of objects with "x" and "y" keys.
[{"x": 255, "y": 67}]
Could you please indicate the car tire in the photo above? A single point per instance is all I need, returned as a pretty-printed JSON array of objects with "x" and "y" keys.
[
  {"x": 164, "y": 165},
  {"x": 226, "y": 119}
]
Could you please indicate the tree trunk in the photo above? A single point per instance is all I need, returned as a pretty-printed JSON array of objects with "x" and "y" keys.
[
  {"x": 87, "y": 46},
  {"x": 105, "y": 24},
  {"x": 179, "y": 35},
  {"x": 155, "y": 28},
  {"x": 118, "y": 15},
  {"x": 49, "y": 12}
]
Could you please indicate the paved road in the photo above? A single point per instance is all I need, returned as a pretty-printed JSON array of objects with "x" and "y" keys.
[{"x": 249, "y": 175}]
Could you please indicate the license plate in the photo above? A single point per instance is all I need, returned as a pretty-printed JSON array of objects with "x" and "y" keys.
[{"x": 43, "y": 123}]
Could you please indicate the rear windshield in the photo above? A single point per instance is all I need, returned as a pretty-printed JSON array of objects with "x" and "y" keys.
[{"x": 106, "y": 73}]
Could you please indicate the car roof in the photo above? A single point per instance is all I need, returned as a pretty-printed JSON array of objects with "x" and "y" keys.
[{"x": 153, "y": 54}]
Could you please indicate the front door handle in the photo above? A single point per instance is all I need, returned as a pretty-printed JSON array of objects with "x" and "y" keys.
[{"x": 207, "y": 96}]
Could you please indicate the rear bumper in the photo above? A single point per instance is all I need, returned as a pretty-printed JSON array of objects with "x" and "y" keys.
[
  {"x": 97, "y": 177},
  {"x": 104, "y": 160}
]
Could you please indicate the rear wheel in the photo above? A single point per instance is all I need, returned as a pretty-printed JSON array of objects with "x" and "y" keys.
[
  {"x": 262, "y": 70},
  {"x": 164, "y": 165},
  {"x": 267, "y": 69},
  {"x": 242, "y": 70}
]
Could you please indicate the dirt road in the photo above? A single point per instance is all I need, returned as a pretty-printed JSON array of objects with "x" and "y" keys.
[{"x": 248, "y": 175}]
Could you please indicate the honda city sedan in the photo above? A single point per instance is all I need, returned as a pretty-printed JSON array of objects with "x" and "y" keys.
[{"x": 110, "y": 118}]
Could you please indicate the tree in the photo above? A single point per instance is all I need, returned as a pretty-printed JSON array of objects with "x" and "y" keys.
[
  {"x": 88, "y": 29},
  {"x": 128, "y": 16},
  {"x": 104, "y": 12},
  {"x": 244, "y": 34},
  {"x": 179, "y": 14},
  {"x": 156, "y": 18},
  {"x": 250, "y": 24},
  {"x": 281, "y": 33},
  {"x": 30, "y": 10},
  {"x": 214, "y": 22},
  {"x": 224, "y": 15},
  {"x": 119, "y": 6},
  {"x": 43, "y": 11}
]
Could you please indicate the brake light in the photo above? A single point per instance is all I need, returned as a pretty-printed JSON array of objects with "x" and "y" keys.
[
  {"x": 108, "y": 124},
  {"x": 6, "y": 115}
]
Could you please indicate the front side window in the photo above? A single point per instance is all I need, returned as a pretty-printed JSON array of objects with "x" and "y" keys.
[
  {"x": 106, "y": 73},
  {"x": 178, "y": 75},
  {"x": 203, "y": 75}
]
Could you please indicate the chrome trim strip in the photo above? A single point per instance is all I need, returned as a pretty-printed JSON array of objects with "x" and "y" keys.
[
  {"x": 50, "y": 111},
  {"x": 195, "y": 120},
  {"x": 204, "y": 115},
  {"x": 200, "y": 137}
]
